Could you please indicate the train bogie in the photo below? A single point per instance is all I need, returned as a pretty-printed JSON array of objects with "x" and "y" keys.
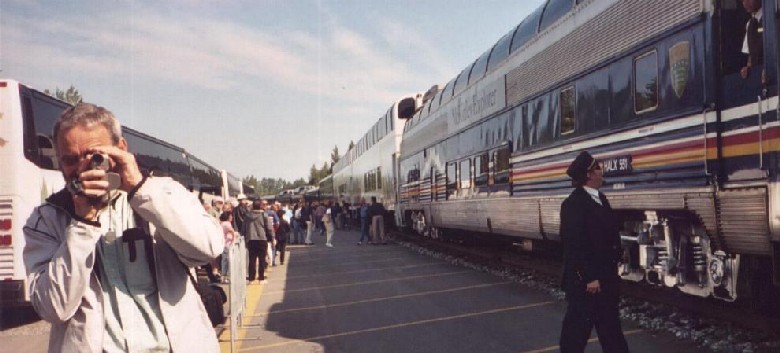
[{"x": 675, "y": 251}]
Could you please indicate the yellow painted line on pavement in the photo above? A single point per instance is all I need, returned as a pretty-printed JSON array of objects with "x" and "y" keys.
[
  {"x": 592, "y": 340},
  {"x": 390, "y": 327},
  {"x": 320, "y": 275},
  {"x": 372, "y": 300},
  {"x": 371, "y": 282},
  {"x": 253, "y": 292}
]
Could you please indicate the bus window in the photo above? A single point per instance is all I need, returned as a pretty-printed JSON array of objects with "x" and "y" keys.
[
  {"x": 567, "y": 101},
  {"x": 646, "y": 82},
  {"x": 41, "y": 113}
]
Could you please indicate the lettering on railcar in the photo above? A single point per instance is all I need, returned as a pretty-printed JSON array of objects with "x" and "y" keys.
[
  {"x": 476, "y": 103},
  {"x": 617, "y": 165}
]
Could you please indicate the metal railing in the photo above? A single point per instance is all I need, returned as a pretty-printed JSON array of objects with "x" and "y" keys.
[{"x": 237, "y": 296}]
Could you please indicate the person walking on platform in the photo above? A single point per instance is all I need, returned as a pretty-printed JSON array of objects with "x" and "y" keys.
[
  {"x": 308, "y": 217},
  {"x": 282, "y": 236},
  {"x": 328, "y": 222},
  {"x": 109, "y": 256},
  {"x": 363, "y": 213},
  {"x": 257, "y": 231},
  {"x": 377, "y": 214},
  {"x": 591, "y": 252},
  {"x": 335, "y": 214},
  {"x": 319, "y": 211},
  {"x": 297, "y": 225}
]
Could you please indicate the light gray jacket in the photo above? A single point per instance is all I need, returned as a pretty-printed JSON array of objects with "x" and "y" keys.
[{"x": 60, "y": 257}]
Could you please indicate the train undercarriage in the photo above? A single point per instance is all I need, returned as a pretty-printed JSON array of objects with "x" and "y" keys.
[
  {"x": 676, "y": 252},
  {"x": 667, "y": 250}
]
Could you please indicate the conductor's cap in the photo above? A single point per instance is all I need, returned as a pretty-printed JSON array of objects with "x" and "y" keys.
[{"x": 578, "y": 169}]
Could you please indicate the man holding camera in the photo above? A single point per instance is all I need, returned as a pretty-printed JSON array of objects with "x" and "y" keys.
[{"x": 108, "y": 256}]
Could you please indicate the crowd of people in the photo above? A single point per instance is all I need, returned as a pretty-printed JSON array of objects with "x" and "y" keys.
[{"x": 267, "y": 228}]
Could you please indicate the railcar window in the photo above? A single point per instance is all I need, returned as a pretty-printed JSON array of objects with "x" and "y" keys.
[
  {"x": 592, "y": 98},
  {"x": 554, "y": 10},
  {"x": 465, "y": 174},
  {"x": 567, "y": 108},
  {"x": 517, "y": 127},
  {"x": 479, "y": 68},
  {"x": 481, "y": 169},
  {"x": 434, "y": 104},
  {"x": 500, "y": 51},
  {"x": 621, "y": 103},
  {"x": 527, "y": 29},
  {"x": 646, "y": 82},
  {"x": 447, "y": 92},
  {"x": 452, "y": 178},
  {"x": 462, "y": 81},
  {"x": 501, "y": 170}
]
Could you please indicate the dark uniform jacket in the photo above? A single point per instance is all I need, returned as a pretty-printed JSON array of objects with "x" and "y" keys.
[
  {"x": 591, "y": 242},
  {"x": 376, "y": 209}
]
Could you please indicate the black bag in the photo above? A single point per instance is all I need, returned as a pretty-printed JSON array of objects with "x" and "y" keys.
[{"x": 213, "y": 298}]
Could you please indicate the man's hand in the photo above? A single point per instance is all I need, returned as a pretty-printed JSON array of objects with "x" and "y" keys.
[
  {"x": 744, "y": 72},
  {"x": 89, "y": 199},
  {"x": 593, "y": 287}
]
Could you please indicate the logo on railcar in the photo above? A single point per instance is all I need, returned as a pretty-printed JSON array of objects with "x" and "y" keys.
[{"x": 679, "y": 63}]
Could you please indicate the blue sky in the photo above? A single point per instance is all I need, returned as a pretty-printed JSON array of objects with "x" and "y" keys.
[{"x": 263, "y": 88}]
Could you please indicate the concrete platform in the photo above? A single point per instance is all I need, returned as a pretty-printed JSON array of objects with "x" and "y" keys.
[{"x": 375, "y": 298}]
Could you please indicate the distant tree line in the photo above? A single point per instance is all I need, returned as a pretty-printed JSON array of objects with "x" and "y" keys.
[{"x": 70, "y": 95}]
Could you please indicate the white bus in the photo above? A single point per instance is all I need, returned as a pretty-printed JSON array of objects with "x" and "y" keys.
[{"x": 30, "y": 173}]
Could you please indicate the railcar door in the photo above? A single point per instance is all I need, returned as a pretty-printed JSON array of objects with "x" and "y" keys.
[{"x": 747, "y": 95}]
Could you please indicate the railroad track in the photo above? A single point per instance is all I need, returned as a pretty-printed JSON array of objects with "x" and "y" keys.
[{"x": 546, "y": 267}]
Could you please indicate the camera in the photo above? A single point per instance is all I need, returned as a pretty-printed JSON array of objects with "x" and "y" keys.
[{"x": 99, "y": 161}]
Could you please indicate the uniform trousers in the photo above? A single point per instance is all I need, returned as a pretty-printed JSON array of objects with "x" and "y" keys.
[
  {"x": 378, "y": 228},
  {"x": 584, "y": 311}
]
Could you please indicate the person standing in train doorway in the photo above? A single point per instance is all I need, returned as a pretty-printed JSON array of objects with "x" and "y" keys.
[
  {"x": 109, "y": 256},
  {"x": 753, "y": 44},
  {"x": 591, "y": 252}
]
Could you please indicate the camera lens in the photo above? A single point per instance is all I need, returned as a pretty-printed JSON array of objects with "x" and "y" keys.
[{"x": 97, "y": 158}]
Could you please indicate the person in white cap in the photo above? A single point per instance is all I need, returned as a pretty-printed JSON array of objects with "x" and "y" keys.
[{"x": 240, "y": 212}]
